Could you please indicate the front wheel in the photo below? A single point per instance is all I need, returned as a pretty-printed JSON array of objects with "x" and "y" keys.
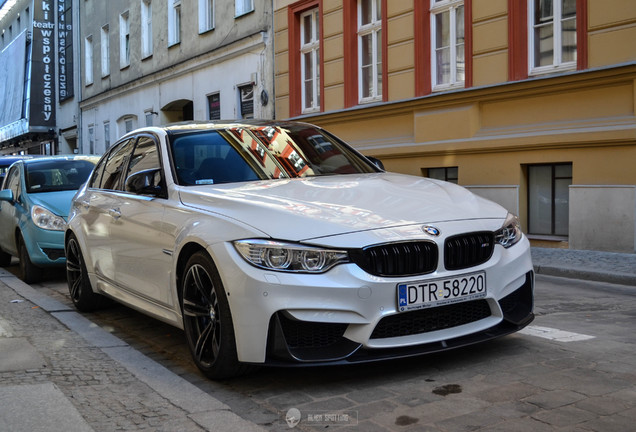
[
  {"x": 29, "y": 272},
  {"x": 79, "y": 286},
  {"x": 207, "y": 320}
]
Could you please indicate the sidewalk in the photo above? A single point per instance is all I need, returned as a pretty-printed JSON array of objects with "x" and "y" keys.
[
  {"x": 60, "y": 372},
  {"x": 618, "y": 268}
]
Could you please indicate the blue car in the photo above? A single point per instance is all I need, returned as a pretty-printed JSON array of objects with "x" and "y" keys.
[{"x": 34, "y": 203}]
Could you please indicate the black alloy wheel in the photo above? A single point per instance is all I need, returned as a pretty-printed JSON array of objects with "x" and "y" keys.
[
  {"x": 207, "y": 320},
  {"x": 29, "y": 272},
  {"x": 79, "y": 285}
]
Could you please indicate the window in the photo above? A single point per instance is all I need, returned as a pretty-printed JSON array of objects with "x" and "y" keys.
[
  {"x": 88, "y": 60},
  {"x": 105, "y": 48},
  {"x": 149, "y": 120},
  {"x": 246, "y": 98},
  {"x": 548, "y": 199},
  {"x": 145, "y": 157},
  {"x": 91, "y": 139},
  {"x": 552, "y": 39},
  {"x": 146, "y": 28},
  {"x": 106, "y": 135},
  {"x": 124, "y": 40},
  {"x": 447, "y": 40},
  {"x": 214, "y": 106},
  {"x": 241, "y": 7},
  {"x": 449, "y": 174},
  {"x": 206, "y": 15},
  {"x": 310, "y": 60},
  {"x": 128, "y": 124},
  {"x": 174, "y": 22},
  {"x": 369, "y": 50},
  {"x": 111, "y": 179}
]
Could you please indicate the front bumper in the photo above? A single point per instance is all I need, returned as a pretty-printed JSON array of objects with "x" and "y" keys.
[
  {"x": 301, "y": 343},
  {"x": 349, "y": 316}
]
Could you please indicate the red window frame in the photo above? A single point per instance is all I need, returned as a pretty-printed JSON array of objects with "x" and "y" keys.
[
  {"x": 518, "y": 38},
  {"x": 423, "y": 63},
  {"x": 350, "y": 13},
  {"x": 295, "y": 79}
]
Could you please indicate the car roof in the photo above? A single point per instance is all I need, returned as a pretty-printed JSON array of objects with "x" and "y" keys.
[{"x": 197, "y": 126}]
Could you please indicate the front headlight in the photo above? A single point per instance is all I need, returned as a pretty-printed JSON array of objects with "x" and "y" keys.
[
  {"x": 289, "y": 257},
  {"x": 510, "y": 233},
  {"x": 45, "y": 219}
]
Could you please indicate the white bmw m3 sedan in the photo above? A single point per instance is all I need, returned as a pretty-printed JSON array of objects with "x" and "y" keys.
[{"x": 276, "y": 243}]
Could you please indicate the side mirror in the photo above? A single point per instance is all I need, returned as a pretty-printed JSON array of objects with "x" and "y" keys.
[
  {"x": 6, "y": 195},
  {"x": 377, "y": 162},
  {"x": 145, "y": 182}
]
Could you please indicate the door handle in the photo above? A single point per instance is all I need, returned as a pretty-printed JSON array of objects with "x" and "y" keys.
[{"x": 115, "y": 213}]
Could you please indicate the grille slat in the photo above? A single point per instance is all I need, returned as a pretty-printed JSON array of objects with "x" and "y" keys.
[
  {"x": 431, "y": 319},
  {"x": 468, "y": 250}
]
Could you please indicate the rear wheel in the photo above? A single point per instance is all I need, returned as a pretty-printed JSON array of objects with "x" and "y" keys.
[
  {"x": 207, "y": 320},
  {"x": 29, "y": 272},
  {"x": 79, "y": 286}
]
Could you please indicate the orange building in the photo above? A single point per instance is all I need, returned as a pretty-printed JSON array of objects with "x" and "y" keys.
[{"x": 529, "y": 103}]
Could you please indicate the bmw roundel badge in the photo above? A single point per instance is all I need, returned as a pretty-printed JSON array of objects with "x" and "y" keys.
[{"x": 431, "y": 230}]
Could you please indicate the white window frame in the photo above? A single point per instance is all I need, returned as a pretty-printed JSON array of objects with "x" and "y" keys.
[
  {"x": 146, "y": 28},
  {"x": 124, "y": 40},
  {"x": 88, "y": 60},
  {"x": 557, "y": 45},
  {"x": 242, "y": 7},
  {"x": 439, "y": 7},
  {"x": 206, "y": 15},
  {"x": 374, "y": 28},
  {"x": 312, "y": 48},
  {"x": 174, "y": 22},
  {"x": 105, "y": 50}
]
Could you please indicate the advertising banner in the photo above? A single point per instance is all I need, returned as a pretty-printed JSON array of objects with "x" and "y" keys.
[{"x": 42, "y": 109}]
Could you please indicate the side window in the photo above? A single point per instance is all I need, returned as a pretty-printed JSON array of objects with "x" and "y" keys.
[
  {"x": 145, "y": 157},
  {"x": 116, "y": 164},
  {"x": 13, "y": 181},
  {"x": 96, "y": 177}
]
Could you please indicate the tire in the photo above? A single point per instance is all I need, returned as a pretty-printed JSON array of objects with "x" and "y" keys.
[
  {"x": 29, "y": 272},
  {"x": 79, "y": 285},
  {"x": 5, "y": 259},
  {"x": 207, "y": 320}
]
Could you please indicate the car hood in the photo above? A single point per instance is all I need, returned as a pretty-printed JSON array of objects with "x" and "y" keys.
[
  {"x": 57, "y": 202},
  {"x": 313, "y": 207}
]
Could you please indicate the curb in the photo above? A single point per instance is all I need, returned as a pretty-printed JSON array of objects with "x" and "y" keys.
[{"x": 587, "y": 275}]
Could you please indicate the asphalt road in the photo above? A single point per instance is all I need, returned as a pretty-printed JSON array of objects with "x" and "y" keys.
[{"x": 572, "y": 369}]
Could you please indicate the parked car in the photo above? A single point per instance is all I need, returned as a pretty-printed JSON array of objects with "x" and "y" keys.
[
  {"x": 277, "y": 243},
  {"x": 34, "y": 203}
]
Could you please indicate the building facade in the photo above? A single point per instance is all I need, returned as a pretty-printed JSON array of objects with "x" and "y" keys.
[
  {"x": 151, "y": 62},
  {"x": 530, "y": 103},
  {"x": 38, "y": 105}
]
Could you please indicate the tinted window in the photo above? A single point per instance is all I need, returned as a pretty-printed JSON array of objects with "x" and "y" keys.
[
  {"x": 145, "y": 157},
  {"x": 269, "y": 152},
  {"x": 113, "y": 171},
  {"x": 97, "y": 173},
  {"x": 56, "y": 175}
]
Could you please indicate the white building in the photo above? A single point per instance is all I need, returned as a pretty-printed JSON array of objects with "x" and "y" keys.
[{"x": 150, "y": 62}]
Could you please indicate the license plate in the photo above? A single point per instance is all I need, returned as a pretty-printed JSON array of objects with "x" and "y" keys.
[{"x": 439, "y": 292}]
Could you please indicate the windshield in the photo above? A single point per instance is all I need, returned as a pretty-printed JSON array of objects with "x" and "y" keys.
[
  {"x": 246, "y": 153},
  {"x": 56, "y": 175}
]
